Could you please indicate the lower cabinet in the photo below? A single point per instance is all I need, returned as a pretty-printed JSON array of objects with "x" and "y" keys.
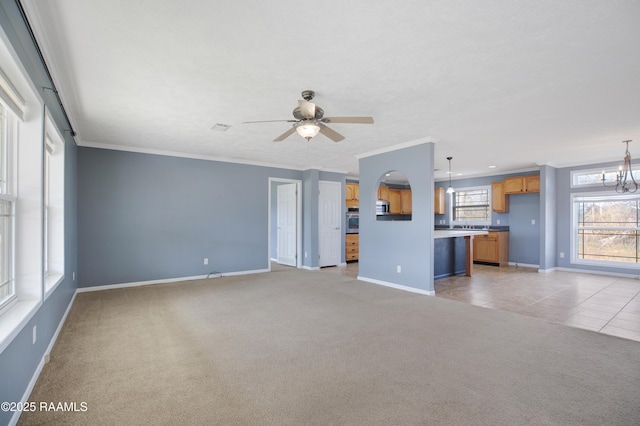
[
  {"x": 352, "y": 242},
  {"x": 492, "y": 248}
]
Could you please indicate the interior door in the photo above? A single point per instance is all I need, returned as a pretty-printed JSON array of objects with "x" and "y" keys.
[
  {"x": 287, "y": 224},
  {"x": 330, "y": 223}
]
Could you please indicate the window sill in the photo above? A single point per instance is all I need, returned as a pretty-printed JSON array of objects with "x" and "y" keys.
[
  {"x": 14, "y": 319},
  {"x": 52, "y": 281}
]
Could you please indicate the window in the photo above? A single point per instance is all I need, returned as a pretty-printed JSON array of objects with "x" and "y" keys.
[
  {"x": 593, "y": 177},
  {"x": 606, "y": 229},
  {"x": 472, "y": 206},
  {"x": 53, "y": 208},
  {"x": 7, "y": 202}
]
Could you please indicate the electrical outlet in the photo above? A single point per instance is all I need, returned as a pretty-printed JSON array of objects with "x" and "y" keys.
[
  {"x": 35, "y": 334},
  {"x": 399, "y": 269},
  {"x": 305, "y": 254},
  {"x": 74, "y": 276},
  {"x": 533, "y": 221},
  {"x": 498, "y": 222},
  {"x": 206, "y": 260},
  {"x": 561, "y": 255}
]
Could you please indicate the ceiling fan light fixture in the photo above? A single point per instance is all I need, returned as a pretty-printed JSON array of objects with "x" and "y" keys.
[{"x": 307, "y": 130}]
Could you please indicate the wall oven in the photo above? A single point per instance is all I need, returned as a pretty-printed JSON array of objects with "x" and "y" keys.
[{"x": 353, "y": 222}]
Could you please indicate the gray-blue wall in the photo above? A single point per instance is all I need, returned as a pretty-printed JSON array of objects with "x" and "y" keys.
[
  {"x": 548, "y": 212},
  {"x": 147, "y": 217},
  {"x": 19, "y": 361},
  {"x": 386, "y": 244}
]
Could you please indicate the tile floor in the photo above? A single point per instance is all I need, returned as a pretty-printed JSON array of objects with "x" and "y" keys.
[{"x": 601, "y": 303}]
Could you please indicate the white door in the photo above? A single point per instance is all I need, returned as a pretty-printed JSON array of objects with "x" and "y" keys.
[
  {"x": 287, "y": 225},
  {"x": 330, "y": 223}
]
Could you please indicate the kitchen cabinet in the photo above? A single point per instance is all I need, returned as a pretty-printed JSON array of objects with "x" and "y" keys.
[
  {"x": 383, "y": 193},
  {"x": 405, "y": 201},
  {"x": 492, "y": 248},
  {"x": 352, "y": 194},
  {"x": 439, "y": 206},
  {"x": 352, "y": 243},
  {"x": 499, "y": 201},
  {"x": 522, "y": 184},
  {"x": 395, "y": 201}
]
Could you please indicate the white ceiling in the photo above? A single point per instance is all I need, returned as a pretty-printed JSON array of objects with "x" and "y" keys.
[{"x": 510, "y": 83}]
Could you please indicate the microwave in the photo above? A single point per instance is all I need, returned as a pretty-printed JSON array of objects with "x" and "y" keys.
[{"x": 382, "y": 207}]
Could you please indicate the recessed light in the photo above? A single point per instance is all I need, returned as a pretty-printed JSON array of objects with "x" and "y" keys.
[
  {"x": 458, "y": 174},
  {"x": 492, "y": 167}
]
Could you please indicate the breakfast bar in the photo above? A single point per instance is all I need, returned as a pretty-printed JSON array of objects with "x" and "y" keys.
[{"x": 450, "y": 255}]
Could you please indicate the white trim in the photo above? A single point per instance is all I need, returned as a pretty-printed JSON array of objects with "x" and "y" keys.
[
  {"x": 524, "y": 265},
  {"x": 311, "y": 268},
  {"x": 51, "y": 282},
  {"x": 298, "y": 183},
  {"x": 592, "y": 272},
  {"x": 397, "y": 286},
  {"x": 165, "y": 281},
  {"x": 15, "y": 318},
  {"x": 548, "y": 271},
  {"x": 396, "y": 147},
  {"x": 153, "y": 151}
]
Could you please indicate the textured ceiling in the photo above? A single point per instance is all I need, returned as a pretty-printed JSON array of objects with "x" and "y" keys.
[{"x": 515, "y": 84}]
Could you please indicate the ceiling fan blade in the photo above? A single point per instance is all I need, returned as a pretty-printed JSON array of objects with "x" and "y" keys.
[
  {"x": 285, "y": 135},
  {"x": 308, "y": 109},
  {"x": 354, "y": 120},
  {"x": 330, "y": 133},
  {"x": 270, "y": 121}
]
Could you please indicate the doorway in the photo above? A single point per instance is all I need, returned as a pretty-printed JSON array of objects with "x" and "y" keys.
[
  {"x": 329, "y": 223},
  {"x": 285, "y": 222}
]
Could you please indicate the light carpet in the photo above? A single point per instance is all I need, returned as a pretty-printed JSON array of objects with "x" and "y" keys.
[{"x": 296, "y": 347}]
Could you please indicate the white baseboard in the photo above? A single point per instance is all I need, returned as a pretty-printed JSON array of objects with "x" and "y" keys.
[
  {"x": 168, "y": 280},
  {"x": 311, "y": 268},
  {"x": 524, "y": 265},
  {"x": 591, "y": 272},
  {"x": 43, "y": 361},
  {"x": 397, "y": 286},
  {"x": 547, "y": 271}
]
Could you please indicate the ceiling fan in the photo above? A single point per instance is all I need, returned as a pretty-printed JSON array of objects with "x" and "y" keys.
[{"x": 310, "y": 120}]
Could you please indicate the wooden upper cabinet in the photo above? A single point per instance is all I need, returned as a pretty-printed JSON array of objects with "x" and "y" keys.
[
  {"x": 499, "y": 202},
  {"x": 352, "y": 194},
  {"x": 522, "y": 184},
  {"x": 395, "y": 201},
  {"x": 383, "y": 192},
  {"x": 439, "y": 206},
  {"x": 405, "y": 201},
  {"x": 532, "y": 183}
]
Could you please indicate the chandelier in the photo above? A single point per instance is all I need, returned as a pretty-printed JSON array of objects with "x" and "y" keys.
[{"x": 624, "y": 176}]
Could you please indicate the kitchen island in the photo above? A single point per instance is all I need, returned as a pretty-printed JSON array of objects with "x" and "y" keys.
[{"x": 453, "y": 251}]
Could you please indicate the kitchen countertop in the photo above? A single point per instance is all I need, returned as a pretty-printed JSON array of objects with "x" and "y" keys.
[{"x": 458, "y": 232}]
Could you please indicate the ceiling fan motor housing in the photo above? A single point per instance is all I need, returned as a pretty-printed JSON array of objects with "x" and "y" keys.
[{"x": 297, "y": 113}]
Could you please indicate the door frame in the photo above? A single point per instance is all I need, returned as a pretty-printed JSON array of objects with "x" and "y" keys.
[
  {"x": 340, "y": 218},
  {"x": 270, "y": 235}
]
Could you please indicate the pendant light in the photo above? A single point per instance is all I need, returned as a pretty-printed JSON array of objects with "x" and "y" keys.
[{"x": 450, "y": 189}]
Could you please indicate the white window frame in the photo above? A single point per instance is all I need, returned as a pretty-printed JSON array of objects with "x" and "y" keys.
[
  {"x": 595, "y": 196},
  {"x": 27, "y": 170},
  {"x": 53, "y": 207},
  {"x": 7, "y": 194},
  {"x": 609, "y": 172},
  {"x": 471, "y": 222}
]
